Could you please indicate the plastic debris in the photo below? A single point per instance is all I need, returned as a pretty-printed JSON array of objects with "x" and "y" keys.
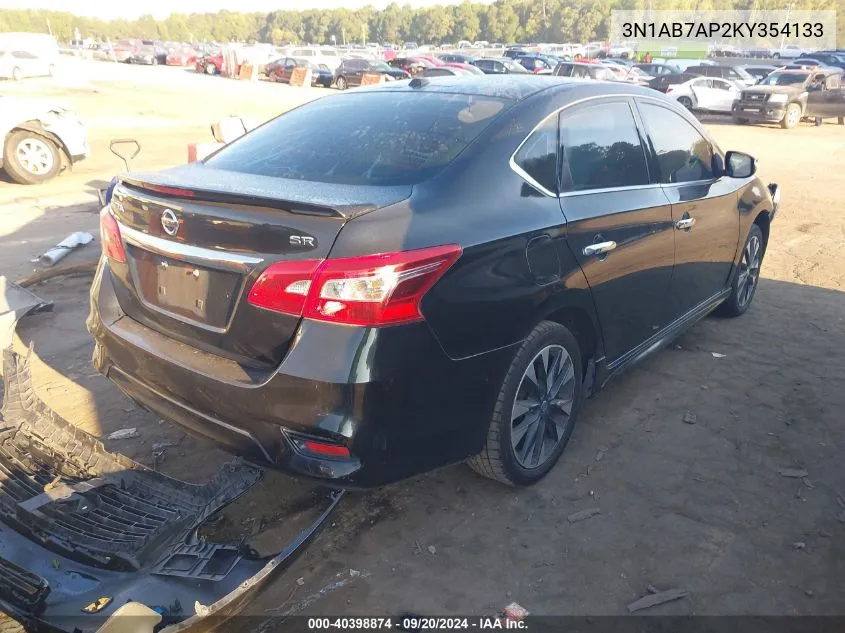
[
  {"x": 583, "y": 515},
  {"x": 60, "y": 250},
  {"x": 718, "y": 355},
  {"x": 432, "y": 549},
  {"x": 514, "y": 612},
  {"x": 123, "y": 434},
  {"x": 654, "y": 599}
]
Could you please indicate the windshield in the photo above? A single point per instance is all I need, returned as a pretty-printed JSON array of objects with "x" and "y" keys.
[
  {"x": 376, "y": 138},
  {"x": 743, "y": 73},
  {"x": 784, "y": 79},
  {"x": 381, "y": 66},
  {"x": 514, "y": 67}
]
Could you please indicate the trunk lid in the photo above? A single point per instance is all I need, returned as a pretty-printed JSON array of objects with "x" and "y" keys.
[{"x": 197, "y": 238}]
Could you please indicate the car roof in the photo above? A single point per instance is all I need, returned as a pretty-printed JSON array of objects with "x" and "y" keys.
[{"x": 513, "y": 87}]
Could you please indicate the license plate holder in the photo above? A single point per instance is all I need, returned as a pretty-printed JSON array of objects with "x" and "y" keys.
[{"x": 196, "y": 293}]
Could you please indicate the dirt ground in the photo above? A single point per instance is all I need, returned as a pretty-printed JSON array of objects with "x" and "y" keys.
[{"x": 701, "y": 507}]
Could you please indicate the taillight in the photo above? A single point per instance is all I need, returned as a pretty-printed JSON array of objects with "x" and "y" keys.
[
  {"x": 284, "y": 286},
  {"x": 110, "y": 237},
  {"x": 374, "y": 290}
]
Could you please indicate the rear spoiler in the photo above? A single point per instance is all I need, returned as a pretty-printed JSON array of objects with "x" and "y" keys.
[{"x": 346, "y": 211}]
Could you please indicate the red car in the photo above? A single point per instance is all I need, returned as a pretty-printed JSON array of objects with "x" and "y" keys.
[
  {"x": 413, "y": 65},
  {"x": 210, "y": 64},
  {"x": 182, "y": 57}
]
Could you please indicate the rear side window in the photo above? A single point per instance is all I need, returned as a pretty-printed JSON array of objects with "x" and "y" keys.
[
  {"x": 366, "y": 138},
  {"x": 683, "y": 154},
  {"x": 538, "y": 155},
  {"x": 601, "y": 148}
]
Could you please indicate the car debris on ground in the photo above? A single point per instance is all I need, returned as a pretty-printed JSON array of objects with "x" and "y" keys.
[
  {"x": 583, "y": 515},
  {"x": 654, "y": 599},
  {"x": 63, "y": 248}
]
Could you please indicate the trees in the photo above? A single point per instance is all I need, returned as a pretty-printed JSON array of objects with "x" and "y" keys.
[{"x": 500, "y": 21}]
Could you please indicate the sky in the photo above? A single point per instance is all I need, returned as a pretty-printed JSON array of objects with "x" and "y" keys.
[{"x": 111, "y": 9}]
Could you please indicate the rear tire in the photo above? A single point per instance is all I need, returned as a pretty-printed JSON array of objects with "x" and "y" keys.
[
  {"x": 792, "y": 117},
  {"x": 744, "y": 285},
  {"x": 341, "y": 84},
  {"x": 527, "y": 412}
]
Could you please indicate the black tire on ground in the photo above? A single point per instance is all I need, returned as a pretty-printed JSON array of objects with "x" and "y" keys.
[
  {"x": 210, "y": 69},
  {"x": 341, "y": 84},
  {"x": 792, "y": 116},
  {"x": 686, "y": 102},
  {"x": 17, "y": 171},
  {"x": 740, "y": 120},
  {"x": 741, "y": 296},
  {"x": 498, "y": 459},
  {"x": 17, "y": 75}
]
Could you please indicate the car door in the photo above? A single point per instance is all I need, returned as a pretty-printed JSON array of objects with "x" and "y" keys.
[
  {"x": 704, "y": 204},
  {"x": 834, "y": 96},
  {"x": 357, "y": 67},
  {"x": 287, "y": 69},
  {"x": 485, "y": 66},
  {"x": 619, "y": 223},
  {"x": 702, "y": 92},
  {"x": 724, "y": 95}
]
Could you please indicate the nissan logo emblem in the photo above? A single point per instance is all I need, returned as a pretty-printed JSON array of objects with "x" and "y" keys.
[{"x": 169, "y": 222}]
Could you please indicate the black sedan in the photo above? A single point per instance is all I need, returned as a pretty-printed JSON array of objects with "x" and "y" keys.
[
  {"x": 417, "y": 273},
  {"x": 281, "y": 70},
  {"x": 149, "y": 54},
  {"x": 351, "y": 72}
]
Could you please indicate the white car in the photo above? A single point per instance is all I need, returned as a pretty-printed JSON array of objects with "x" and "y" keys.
[
  {"x": 17, "y": 64},
  {"x": 41, "y": 138},
  {"x": 708, "y": 94},
  {"x": 790, "y": 51},
  {"x": 320, "y": 55}
]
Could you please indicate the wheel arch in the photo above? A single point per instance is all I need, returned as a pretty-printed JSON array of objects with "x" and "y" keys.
[
  {"x": 36, "y": 127},
  {"x": 764, "y": 221},
  {"x": 581, "y": 320}
]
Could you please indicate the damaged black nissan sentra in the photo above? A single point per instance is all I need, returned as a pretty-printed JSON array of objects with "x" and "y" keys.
[{"x": 390, "y": 280}]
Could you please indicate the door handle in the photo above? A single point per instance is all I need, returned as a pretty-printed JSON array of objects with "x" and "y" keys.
[
  {"x": 685, "y": 224},
  {"x": 599, "y": 249}
]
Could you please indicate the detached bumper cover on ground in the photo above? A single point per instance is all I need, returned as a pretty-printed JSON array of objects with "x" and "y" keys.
[{"x": 80, "y": 526}]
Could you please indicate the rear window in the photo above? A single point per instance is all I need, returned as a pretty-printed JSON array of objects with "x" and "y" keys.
[{"x": 370, "y": 138}]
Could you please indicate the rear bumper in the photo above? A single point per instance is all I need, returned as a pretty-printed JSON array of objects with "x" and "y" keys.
[
  {"x": 761, "y": 113},
  {"x": 390, "y": 395}
]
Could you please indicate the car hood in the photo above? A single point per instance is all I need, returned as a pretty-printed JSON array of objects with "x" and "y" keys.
[
  {"x": 774, "y": 89},
  {"x": 17, "y": 110}
]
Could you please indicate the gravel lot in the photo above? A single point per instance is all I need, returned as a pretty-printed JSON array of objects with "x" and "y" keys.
[{"x": 701, "y": 507}]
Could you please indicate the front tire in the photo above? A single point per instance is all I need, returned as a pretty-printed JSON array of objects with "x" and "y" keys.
[
  {"x": 686, "y": 102},
  {"x": 30, "y": 159},
  {"x": 745, "y": 280},
  {"x": 792, "y": 117},
  {"x": 536, "y": 409}
]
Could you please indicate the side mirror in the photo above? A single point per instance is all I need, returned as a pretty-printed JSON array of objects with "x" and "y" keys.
[{"x": 740, "y": 165}]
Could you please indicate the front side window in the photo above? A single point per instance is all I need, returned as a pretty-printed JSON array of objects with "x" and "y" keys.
[
  {"x": 683, "y": 154},
  {"x": 538, "y": 155},
  {"x": 601, "y": 148}
]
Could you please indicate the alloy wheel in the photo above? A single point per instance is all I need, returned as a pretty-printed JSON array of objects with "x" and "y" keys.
[
  {"x": 34, "y": 156},
  {"x": 542, "y": 409},
  {"x": 749, "y": 271}
]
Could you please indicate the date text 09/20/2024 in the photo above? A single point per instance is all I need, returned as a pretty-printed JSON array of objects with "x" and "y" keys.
[{"x": 416, "y": 623}]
